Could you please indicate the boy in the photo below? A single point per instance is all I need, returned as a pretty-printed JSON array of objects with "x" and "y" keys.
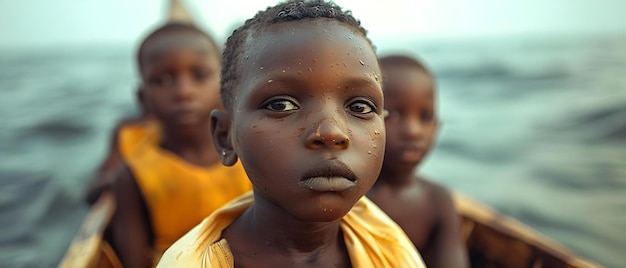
[
  {"x": 170, "y": 185},
  {"x": 134, "y": 132},
  {"x": 303, "y": 112},
  {"x": 423, "y": 209}
]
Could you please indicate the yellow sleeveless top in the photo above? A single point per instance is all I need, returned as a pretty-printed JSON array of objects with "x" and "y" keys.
[
  {"x": 133, "y": 136},
  {"x": 179, "y": 195},
  {"x": 372, "y": 239}
]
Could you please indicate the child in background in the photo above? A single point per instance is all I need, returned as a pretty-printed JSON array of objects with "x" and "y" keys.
[
  {"x": 423, "y": 209},
  {"x": 133, "y": 132},
  {"x": 169, "y": 184},
  {"x": 304, "y": 114}
]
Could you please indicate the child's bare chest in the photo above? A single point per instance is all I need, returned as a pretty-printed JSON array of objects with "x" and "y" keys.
[{"x": 415, "y": 214}]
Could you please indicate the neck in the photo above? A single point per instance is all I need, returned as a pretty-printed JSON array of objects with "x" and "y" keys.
[
  {"x": 193, "y": 144},
  {"x": 276, "y": 228},
  {"x": 396, "y": 177}
]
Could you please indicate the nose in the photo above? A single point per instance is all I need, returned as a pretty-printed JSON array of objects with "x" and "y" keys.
[
  {"x": 413, "y": 129},
  {"x": 184, "y": 88},
  {"x": 329, "y": 134}
]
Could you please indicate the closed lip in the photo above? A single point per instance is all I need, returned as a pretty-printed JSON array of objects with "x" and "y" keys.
[
  {"x": 330, "y": 176},
  {"x": 185, "y": 114},
  {"x": 184, "y": 111},
  {"x": 413, "y": 148}
]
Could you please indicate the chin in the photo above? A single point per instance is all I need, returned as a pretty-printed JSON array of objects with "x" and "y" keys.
[{"x": 325, "y": 211}]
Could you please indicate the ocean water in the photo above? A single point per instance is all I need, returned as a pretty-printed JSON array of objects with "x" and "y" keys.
[{"x": 535, "y": 128}]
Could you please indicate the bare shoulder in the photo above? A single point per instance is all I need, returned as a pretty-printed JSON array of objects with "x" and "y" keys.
[
  {"x": 446, "y": 248},
  {"x": 438, "y": 194}
]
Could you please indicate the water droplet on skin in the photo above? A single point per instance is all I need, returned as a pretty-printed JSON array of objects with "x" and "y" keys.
[
  {"x": 376, "y": 132},
  {"x": 361, "y": 62},
  {"x": 311, "y": 69},
  {"x": 299, "y": 72},
  {"x": 283, "y": 71},
  {"x": 369, "y": 152},
  {"x": 346, "y": 65},
  {"x": 350, "y": 37},
  {"x": 269, "y": 81},
  {"x": 376, "y": 77},
  {"x": 261, "y": 68},
  {"x": 374, "y": 146},
  {"x": 324, "y": 210}
]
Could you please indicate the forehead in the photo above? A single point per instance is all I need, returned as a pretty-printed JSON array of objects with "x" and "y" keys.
[
  {"x": 307, "y": 42},
  {"x": 175, "y": 41},
  {"x": 398, "y": 79}
]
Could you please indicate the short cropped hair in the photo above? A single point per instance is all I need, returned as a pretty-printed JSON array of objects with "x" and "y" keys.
[
  {"x": 168, "y": 28},
  {"x": 292, "y": 10},
  {"x": 402, "y": 60}
]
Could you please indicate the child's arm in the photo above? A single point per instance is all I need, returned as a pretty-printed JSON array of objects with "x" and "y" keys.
[
  {"x": 107, "y": 169},
  {"x": 448, "y": 247},
  {"x": 130, "y": 229}
]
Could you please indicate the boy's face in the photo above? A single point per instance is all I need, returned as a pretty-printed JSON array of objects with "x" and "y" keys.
[
  {"x": 411, "y": 122},
  {"x": 181, "y": 78},
  {"x": 307, "y": 117}
]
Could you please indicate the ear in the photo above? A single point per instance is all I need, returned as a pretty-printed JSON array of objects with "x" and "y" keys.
[{"x": 220, "y": 131}]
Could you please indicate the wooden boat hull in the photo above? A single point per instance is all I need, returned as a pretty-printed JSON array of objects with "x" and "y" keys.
[
  {"x": 88, "y": 248},
  {"x": 495, "y": 240}
]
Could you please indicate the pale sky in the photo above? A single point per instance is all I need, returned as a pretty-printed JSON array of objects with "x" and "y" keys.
[{"x": 40, "y": 23}]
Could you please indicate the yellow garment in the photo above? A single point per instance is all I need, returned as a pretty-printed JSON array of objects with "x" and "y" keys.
[
  {"x": 180, "y": 195},
  {"x": 372, "y": 239},
  {"x": 133, "y": 136}
]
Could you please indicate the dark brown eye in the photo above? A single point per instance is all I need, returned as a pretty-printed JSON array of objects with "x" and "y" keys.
[
  {"x": 281, "y": 105},
  {"x": 426, "y": 116},
  {"x": 162, "y": 80},
  {"x": 362, "y": 107},
  {"x": 201, "y": 75}
]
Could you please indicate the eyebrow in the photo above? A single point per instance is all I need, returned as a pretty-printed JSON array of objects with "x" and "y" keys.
[
  {"x": 355, "y": 81},
  {"x": 156, "y": 54},
  {"x": 362, "y": 81}
]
